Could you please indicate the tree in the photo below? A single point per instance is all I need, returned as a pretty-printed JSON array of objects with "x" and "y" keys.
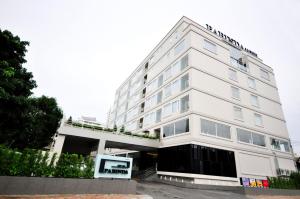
[
  {"x": 22, "y": 118},
  {"x": 69, "y": 121}
]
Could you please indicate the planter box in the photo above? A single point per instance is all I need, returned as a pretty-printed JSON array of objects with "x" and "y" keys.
[{"x": 12, "y": 185}]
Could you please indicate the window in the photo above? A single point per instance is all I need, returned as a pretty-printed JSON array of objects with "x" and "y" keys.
[
  {"x": 258, "y": 119},
  {"x": 184, "y": 62},
  {"x": 179, "y": 127},
  {"x": 175, "y": 87},
  {"x": 158, "y": 115},
  {"x": 232, "y": 75},
  {"x": 235, "y": 53},
  {"x": 184, "y": 104},
  {"x": 167, "y": 91},
  {"x": 201, "y": 160},
  {"x": 254, "y": 100},
  {"x": 160, "y": 80},
  {"x": 176, "y": 68},
  {"x": 170, "y": 108},
  {"x": 250, "y": 137},
  {"x": 167, "y": 110},
  {"x": 152, "y": 86},
  {"x": 251, "y": 83},
  {"x": 168, "y": 130},
  {"x": 235, "y": 92},
  {"x": 208, "y": 127},
  {"x": 151, "y": 101},
  {"x": 280, "y": 145},
  {"x": 133, "y": 112},
  {"x": 179, "y": 47},
  {"x": 210, "y": 46},
  {"x": 238, "y": 114},
  {"x": 244, "y": 136},
  {"x": 131, "y": 126},
  {"x": 236, "y": 59},
  {"x": 264, "y": 74},
  {"x": 215, "y": 129},
  {"x": 159, "y": 97},
  {"x": 133, "y": 100},
  {"x": 184, "y": 82},
  {"x": 168, "y": 73},
  {"x": 149, "y": 118},
  {"x": 172, "y": 88},
  {"x": 223, "y": 131},
  {"x": 175, "y": 106},
  {"x": 258, "y": 139}
]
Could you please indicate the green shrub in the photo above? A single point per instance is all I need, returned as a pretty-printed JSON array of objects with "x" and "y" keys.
[
  {"x": 98, "y": 128},
  {"x": 77, "y": 124},
  {"x": 122, "y": 129},
  {"x": 295, "y": 176},
  {"x": 288, "y": 182},
  {"x": 88, "y": 171},
  {"x": 31, "y": 162},
  {"x": 115, "y": 128}
]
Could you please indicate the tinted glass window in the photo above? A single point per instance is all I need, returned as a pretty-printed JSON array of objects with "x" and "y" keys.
[
  {"x": 197, "y": 159},
  {"x": 182, "y": 126}
]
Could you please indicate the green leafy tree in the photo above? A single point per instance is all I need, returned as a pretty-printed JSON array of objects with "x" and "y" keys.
[
  {"x": 69, "y": 121},
  {"x": 24, "y": 121}
]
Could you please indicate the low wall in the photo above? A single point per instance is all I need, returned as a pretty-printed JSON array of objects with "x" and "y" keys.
[
  {"x": 234, "y": 189},
  {"x": 11, "y": 185}
]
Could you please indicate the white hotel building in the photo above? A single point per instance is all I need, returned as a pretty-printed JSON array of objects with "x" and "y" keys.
[{"x": 214, "y": 105}]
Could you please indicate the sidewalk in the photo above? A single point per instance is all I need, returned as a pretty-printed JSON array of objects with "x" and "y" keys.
[{"x": 79, "y": 196}]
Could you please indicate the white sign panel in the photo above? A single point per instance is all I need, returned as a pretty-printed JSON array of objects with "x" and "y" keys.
[{"x": 107, "y": 166}]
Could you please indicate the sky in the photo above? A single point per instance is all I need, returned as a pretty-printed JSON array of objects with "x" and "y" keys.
[{"x": 82, "y": 50}]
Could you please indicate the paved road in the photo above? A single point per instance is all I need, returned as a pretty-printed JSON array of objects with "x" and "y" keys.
[{"x": 164, "y": 191}]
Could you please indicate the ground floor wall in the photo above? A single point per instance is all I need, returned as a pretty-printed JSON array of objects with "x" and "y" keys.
[{"x": 200, "y": 164}]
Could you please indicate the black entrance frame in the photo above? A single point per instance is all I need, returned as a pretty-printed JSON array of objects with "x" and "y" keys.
[{"x": 196, "y": 159}]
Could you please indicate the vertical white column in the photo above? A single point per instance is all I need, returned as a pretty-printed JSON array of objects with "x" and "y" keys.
[
  {"x": 101, "y": 146},
  {"x": 59, "y": 143}
]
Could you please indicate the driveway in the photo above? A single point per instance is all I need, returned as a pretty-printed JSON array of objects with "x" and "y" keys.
[{"x": 164, "y": 191}]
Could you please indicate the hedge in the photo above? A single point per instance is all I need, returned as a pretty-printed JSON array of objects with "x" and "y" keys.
[
  {"x": 287, "y": 182},
  {"x": 31, "y": 162}
]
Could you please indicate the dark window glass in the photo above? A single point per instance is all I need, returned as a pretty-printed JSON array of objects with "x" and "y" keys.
[
  {"x": 168, "y": 130},
  {"x": 181, "y": 126},
  {"x": 197, "y": 159}
]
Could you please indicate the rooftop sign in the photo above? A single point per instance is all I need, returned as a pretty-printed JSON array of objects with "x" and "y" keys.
[{"x": 230, "y": 40}]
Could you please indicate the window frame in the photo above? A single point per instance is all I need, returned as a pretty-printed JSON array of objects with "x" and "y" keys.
[
  {"x": 234, "y": 113},
  {"x": 234, "y": 72},
  {"x": 256, "y": 115},
  {"x": 207, "y": 44},
  {"x": 254, "y": 83},
  {"x": 257, "y": 101},
  {"x": 238, "y": 93},
  {"x": 264, "y": 74}
]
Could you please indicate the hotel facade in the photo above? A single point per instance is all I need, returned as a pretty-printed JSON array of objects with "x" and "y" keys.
[{"x": 213, "y": 104}]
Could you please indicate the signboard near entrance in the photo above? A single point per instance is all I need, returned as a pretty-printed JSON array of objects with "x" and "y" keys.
[{"x": 107, "y": 166}]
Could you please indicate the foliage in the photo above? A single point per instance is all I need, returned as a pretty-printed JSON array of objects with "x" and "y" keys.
[
  {"x": 69, "y": 121},
  {"x": 115, "y": 128},
  {"x": 31, "y": 162},
  {"x": 25, "y": 121},
  {"x": 122, "y": 129},
  {"x": 287, "y": 182}
]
